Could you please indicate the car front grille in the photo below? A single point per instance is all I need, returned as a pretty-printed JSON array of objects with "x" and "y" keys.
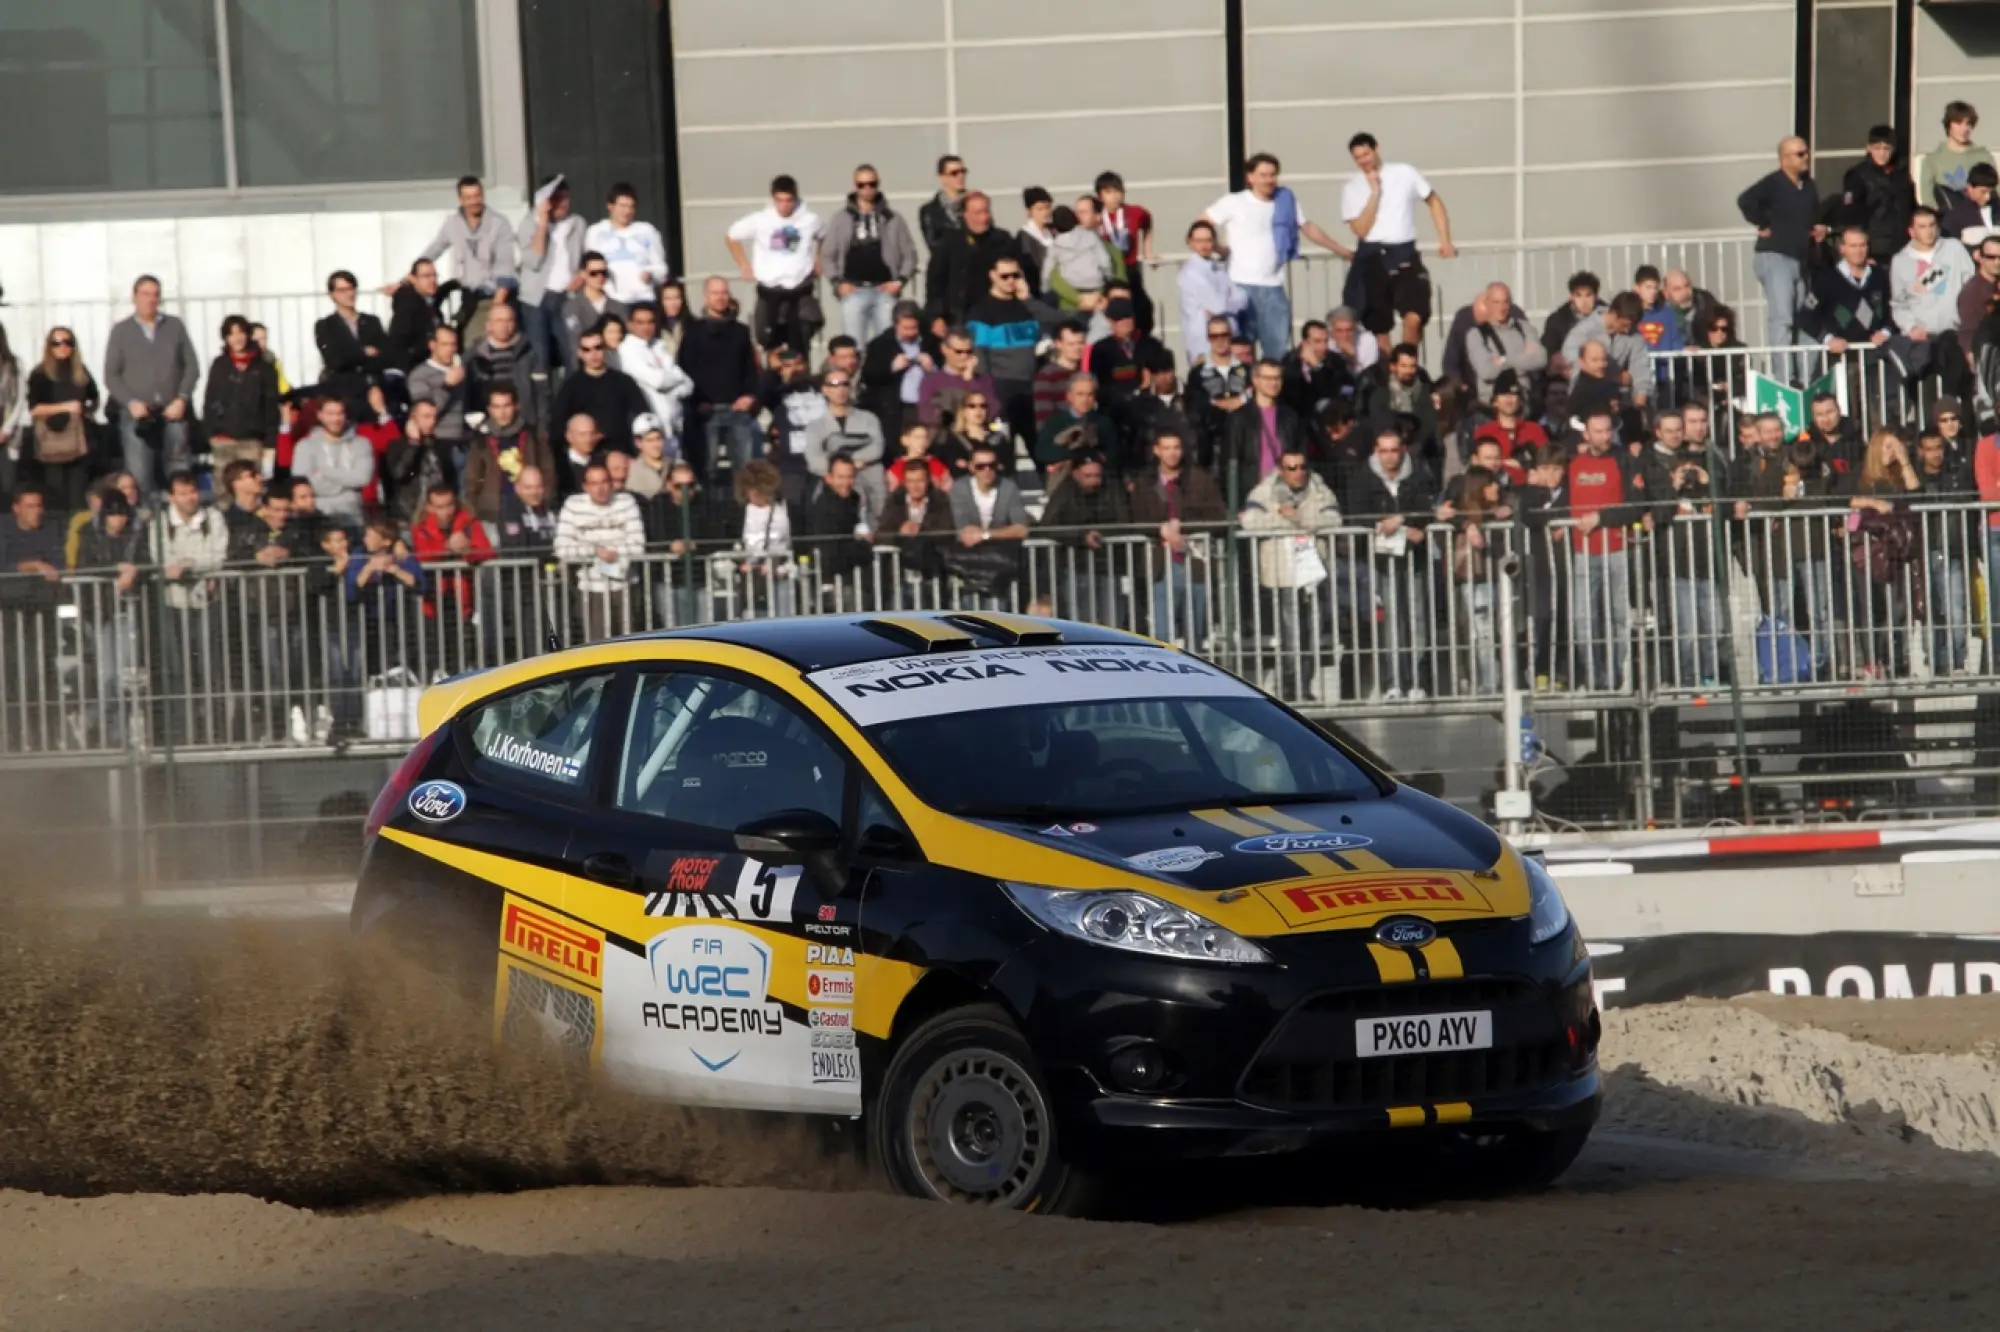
[{"x": 1309, "y": 1062}]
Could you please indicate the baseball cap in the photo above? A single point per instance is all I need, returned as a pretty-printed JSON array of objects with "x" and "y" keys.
[{"x": 645, "y": 424}]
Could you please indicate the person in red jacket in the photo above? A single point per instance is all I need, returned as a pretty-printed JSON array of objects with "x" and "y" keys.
[
  {"x": 447, "y": 531},
  {"x": 1513, "y": 430},
  {"x": 1603, "y": 503}
]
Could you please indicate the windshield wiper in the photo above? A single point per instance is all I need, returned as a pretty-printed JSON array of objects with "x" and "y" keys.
[
  {"x": 1309, "y": 798},
  {"x": 1030, "y": 813}
]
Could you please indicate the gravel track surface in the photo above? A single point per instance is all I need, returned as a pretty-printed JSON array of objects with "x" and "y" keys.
[{"x": 250, "y": 1125}]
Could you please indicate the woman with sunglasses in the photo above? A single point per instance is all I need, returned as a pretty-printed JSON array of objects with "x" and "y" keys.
[
  {"x": 972, "y": 427},
  {"x": 1719, "y": 374},
  {"x": 62, "y": 403}
]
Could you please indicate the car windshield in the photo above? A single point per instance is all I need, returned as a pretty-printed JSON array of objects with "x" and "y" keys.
[{"x": 1154, "y": 755}]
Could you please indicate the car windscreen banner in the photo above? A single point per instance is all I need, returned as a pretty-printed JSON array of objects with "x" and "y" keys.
[
  {"x": 1859, "y": 965},
  {"x": 903, "y": 688}
]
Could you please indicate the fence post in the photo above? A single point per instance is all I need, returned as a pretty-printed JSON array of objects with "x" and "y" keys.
[
  {"x": 1718, "y": 574},
  {"x": 1515, "y": 801}
]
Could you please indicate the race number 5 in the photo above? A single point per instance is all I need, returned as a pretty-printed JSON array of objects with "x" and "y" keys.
[{"x": 765, "y": 892}]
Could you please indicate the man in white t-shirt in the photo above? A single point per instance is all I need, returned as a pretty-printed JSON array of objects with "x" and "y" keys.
[
  {"x": 632, "y": 250},
  {"x": 1265, "y": 222},
  {"x": 1387, "y": 278},
  {"x": 783, "y": 260}
]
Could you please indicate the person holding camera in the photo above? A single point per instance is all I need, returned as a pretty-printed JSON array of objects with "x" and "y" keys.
[{"x": 1676, "y": 487}]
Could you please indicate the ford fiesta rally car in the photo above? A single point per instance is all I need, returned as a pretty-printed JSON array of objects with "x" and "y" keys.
[{"x": 1033, "y": 898}]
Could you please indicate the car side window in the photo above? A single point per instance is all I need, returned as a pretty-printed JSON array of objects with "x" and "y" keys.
[
  {"x": 539, "y": 739},
  {"x": 718, "y": 753}
]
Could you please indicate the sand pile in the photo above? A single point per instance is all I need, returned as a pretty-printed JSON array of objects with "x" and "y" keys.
[{"x": 1732, "y": 1057}]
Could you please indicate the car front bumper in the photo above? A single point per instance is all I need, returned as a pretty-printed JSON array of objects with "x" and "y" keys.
[{"x": 1150, "y": 1059}]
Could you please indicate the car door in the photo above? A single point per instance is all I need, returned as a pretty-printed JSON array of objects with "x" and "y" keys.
[
  {"x": 520, "y": 769},
  {"x": 738, "y": 986}
]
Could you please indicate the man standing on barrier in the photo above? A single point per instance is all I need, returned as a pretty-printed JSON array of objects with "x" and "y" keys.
[
  {"x": 1925, "y": 278},
  {"x": 1388, "y": 281},
  {"x": 1784, "y": 207}
]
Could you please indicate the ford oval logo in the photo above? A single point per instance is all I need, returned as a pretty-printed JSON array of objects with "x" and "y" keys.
[
  {"x": 1292, "y": 843},
  {"x": 1405, "y": 932},
  {"x": 437, "y": 802}
]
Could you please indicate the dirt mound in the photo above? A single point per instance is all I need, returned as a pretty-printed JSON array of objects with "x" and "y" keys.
[
  {"x": 1730, "y": 1056},
  {"x": 285, "y": 1061}
]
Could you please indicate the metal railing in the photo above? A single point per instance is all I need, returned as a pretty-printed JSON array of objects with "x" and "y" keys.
[
  {"x": 1537, "y": 272},
  {"x": 1345, "y": 615}
]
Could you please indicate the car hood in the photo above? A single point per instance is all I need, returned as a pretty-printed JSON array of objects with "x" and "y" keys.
[{"x": 1265, "y": 870}]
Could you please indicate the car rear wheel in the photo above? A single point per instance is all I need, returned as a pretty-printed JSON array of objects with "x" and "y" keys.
[{"x": 964, "y": 1117}]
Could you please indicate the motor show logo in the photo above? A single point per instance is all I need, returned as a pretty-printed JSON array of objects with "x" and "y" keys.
[
  {"x": 713, "y": 984},
  {"x": 690, "y": 874},
  {"x": 761, "y": 893},
  {"x": 567, "y": 949}
]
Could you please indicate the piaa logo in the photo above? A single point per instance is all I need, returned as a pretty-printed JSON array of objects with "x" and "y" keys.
[
  {"x": 1294, "y": 843},
  {"x": 437, "y": 802}
]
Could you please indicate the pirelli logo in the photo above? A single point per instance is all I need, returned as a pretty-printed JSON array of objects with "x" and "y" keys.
[
  {"x": 1343, "y": 899},
  {"x": 565, "y": 948}
]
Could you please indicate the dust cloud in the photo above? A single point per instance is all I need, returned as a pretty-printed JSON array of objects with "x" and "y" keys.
[{"x": 287, "y": 1061}]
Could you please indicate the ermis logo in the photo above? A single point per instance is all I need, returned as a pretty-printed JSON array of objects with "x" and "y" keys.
[
  {"x": 1294, "y": 843},
  {"x": 437, "y": 802}
]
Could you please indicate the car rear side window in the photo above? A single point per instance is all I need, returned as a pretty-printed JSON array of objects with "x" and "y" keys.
[
  {"x": 539, "y": 738},
  {"x": 718, "y": 752}
]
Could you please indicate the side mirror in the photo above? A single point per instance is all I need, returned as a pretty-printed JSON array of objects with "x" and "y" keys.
[{"x": 789, "y": 837}]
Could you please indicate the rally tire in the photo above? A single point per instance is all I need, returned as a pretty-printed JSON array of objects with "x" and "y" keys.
[
  {"x": 451, "y": 939},
  {"x": 965, "y": 1116}
]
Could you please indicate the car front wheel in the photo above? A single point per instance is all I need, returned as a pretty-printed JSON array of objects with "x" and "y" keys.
[
  {"x": 964, "y": 1117},
  {"x": 1522, "y": 1161}
]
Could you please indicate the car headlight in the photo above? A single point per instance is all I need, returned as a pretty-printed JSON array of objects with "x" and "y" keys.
[
  {"x": 1548, "y": 914},
  {"x": 1134, "y": 922}
]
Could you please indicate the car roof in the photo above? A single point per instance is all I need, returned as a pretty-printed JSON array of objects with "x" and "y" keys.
[{"x": 817, "y": 642}]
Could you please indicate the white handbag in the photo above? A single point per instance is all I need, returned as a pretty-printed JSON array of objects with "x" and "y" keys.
[{"x": 389, "y": 705}]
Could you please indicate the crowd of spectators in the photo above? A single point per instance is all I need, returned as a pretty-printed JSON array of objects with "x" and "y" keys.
[{"x": 566, "y": 400}]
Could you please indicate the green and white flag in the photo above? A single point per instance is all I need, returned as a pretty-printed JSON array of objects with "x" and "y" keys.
[{"x": 1769, "y": 395}]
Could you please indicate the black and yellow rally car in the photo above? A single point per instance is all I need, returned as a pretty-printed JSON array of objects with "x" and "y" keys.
[{"x": 1033, "y": 898}]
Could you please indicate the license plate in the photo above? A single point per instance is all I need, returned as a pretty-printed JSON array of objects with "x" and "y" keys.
[{"x": 1429, "y": 1034}]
